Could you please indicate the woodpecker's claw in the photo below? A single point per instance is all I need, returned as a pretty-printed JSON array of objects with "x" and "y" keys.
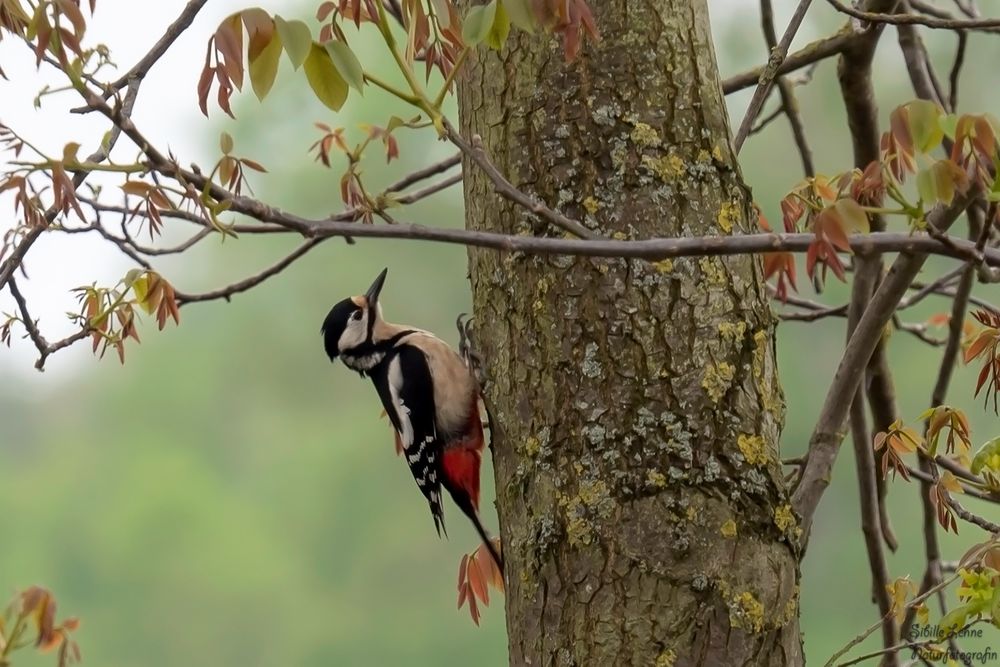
[
  {"x": 467, "y": 350},
  {"x": 467, "y": 346}
]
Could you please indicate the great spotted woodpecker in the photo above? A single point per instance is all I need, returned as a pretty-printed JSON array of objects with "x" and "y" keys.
[{"x": 429, "y": 393}]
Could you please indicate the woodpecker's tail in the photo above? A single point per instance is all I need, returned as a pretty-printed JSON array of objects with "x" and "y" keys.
[
  {"x": 464, "y": 503},
  {"x": 487, "y": 540}
]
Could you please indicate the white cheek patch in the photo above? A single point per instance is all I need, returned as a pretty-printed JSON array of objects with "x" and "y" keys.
[{"x": 355, "y": 333}]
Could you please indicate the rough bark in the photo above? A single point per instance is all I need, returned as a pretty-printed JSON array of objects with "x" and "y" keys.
[{"x": 643, "y": 512}]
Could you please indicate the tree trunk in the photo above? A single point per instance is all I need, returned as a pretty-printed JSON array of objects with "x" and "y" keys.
[{"x": 641, "y": 502}]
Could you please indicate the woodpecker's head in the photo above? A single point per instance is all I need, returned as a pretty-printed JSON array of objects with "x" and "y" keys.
[{"x": 348, "y": 328}]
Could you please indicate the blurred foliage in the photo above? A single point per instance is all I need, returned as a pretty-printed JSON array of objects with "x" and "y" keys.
[{"x": 229, "y": 498}]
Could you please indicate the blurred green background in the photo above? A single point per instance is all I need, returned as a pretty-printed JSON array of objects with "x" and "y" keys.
[{"x": 230, "y": 498}]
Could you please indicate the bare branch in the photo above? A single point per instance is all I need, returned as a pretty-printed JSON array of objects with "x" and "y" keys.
[
  {"x": 972, "y": 518},
  {"x": 29, "y": 324},
  {"x": 811, "y": 53},
  {"x": 872, "y": 628},
  {"x": 854, "y": 73},
  {"x": 788, "y": 102},
  {"x": 254, "y": 280},
  {"x": 506, "y": 189},
  {"x": 777, "y": 57},
  {"x": 425, "y": 173},
  {"x": 45, "y": 349},
  {"x": 956, "y": 69},
  {"x": 916, "y": 19},
  {"x": 896, "y": 648},
  {"x": 868, "y": 491},
  {"x": 828, "y": 433},
  {"x": 173, "y": 31}
]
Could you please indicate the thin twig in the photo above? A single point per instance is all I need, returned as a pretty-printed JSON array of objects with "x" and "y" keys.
[
  {"x": 425, "y": 173},
  {"x": 956, "y": 69},
  {"x": 31, "y": 325},
  {"x": 227, "y": 292},
  {"x": 868, "y": 491},
  {"x": 901, "y": 646},
  {"x": 778, "y": 54},
  {"x": 139, "y": 71},
  {"x": 916, "y": 19},
  {"x": 507, "y": 190},
  {"x": 16, "y": 257},
  {"x": 875, "y": 626},
  {"x": 45, "y": 349},
  {"x": 828, "y": 433},
  {"x": 975, "y": 519},
  {"x": 787, "y": 92},
  {"x": 811, "y": 53}
]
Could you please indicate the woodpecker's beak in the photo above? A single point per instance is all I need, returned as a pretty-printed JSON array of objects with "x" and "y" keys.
[{"x": 373, "y": 291}]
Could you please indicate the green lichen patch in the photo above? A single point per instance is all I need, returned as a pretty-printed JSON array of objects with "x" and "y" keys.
[{"x": 728, "y": 529}]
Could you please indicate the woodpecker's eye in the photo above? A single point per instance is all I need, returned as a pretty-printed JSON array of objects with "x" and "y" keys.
[{"x": 356, "y": 316}]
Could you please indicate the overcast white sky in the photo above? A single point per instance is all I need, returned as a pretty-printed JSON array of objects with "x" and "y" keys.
[{"x": 168, "y": 114}]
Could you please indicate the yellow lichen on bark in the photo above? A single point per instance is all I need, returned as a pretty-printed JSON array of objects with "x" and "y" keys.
[{"x": 753, "y": 449}]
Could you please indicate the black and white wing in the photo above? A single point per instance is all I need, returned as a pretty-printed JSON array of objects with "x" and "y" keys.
[{"x": 407, "y": 393}]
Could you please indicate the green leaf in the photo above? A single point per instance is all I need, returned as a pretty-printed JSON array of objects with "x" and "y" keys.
[
  {"x": 520, "y": 14},
  {"x": 995, "y": 606},
  {"x": 948, "y": 124},
  {"x": 478, "y": 23},
  {"x": 132, "y": 276},
  {"x": 924, "y": 125},
  {"x": 938, "y": 182},
  {"x": 226, "y": 143},
  {"x": 852, "y": 215},
  {"x": 69, "y": 153},
  {"x": 346, "y": 63},
  {"x": 324, "y": 79},
  {"x": 296, "y": 39},
  {"x": 140, "y": 287},
  {"x": 925, "y": 186},
  {"x": 500, "y": 29},
  {"x": 984, "y": 455},
  {"x": 264, "y": 67},
  {"x": 952, "y": 622},
  {"x": 260, "y": 28}
]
